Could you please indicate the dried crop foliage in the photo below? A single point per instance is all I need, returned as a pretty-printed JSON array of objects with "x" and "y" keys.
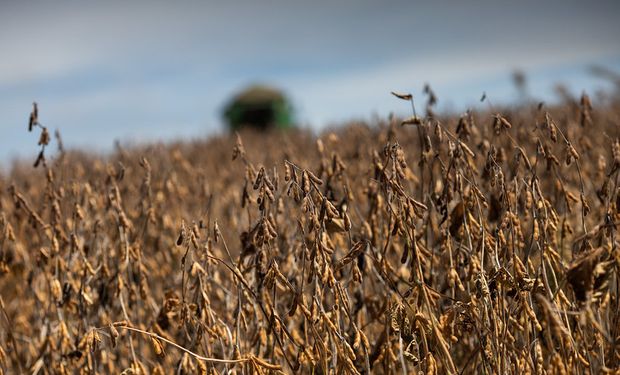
[{"x": 481, "y": 243}]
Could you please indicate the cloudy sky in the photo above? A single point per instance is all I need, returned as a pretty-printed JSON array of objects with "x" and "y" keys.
[{"x": 157, "y": 70}]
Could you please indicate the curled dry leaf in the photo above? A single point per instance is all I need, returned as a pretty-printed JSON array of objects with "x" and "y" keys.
[{"x": 580, "y": 273}]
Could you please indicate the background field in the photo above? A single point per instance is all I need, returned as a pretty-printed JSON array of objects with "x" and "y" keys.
[{"x": 485, "y": 243}]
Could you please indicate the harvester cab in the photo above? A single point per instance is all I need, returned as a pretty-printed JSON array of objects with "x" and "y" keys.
[{"x": 260, "y": 107}]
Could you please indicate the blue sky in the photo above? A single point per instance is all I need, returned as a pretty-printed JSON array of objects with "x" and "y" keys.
[{"x": 143, "y": 71}]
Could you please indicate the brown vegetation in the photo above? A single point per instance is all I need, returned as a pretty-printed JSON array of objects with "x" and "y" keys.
[{"x": 485, "y": 243}]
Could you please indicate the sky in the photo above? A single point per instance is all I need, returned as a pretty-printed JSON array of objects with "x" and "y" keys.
[{"x": 143, "y": 71}]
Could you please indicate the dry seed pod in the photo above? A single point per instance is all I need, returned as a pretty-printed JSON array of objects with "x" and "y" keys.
[
  {"x": 615, "y": 151},
  {"x": 269, "y": 193},
  {"x": 305, "y": 182},
  {"x": 314, "y": 178},
  {"x": 287, "y": 172},
  {"x": 585, "y": 101},
  {"x": 505, "y": 123},
  {"x": 584, "y": 205},
  {"x": 406, "y": 252},
  {"x": 402, "y": 95},
  {"x": 238, "y": 150},
  {"x": 305, "y": 204},
  {"x": 347, "y": 222},
  {"x": 269, "y": 184},
  {"x": 182, "y": 234},
  {"x": 259, "y": 178},
  {"x": 34, "y": 116},
  {"x": 124, "y": 222},
  {"x": 40, "y": 159},
  {"x": 573, "y": 152},
  {"x": 439, "y": 133},
  {"x": 463, "y": 128},
  {"x": 413, "y": 120},
  {"x": 93, "y": 340},
  {"x": 332, "y": 211},
  {"x": 271, "y": 229},
  {"x": 195, "y": 230},
  {"x": 497, "y": 125},
  {"x": 44, "y": 139},
  {"x": 319, "y": 146},
  {"x": 56, "y": 290},
  {"x": 553, "y": 131},
  {"x": 356, "y": 274},
  {"x": 260, "y": 199},
  {"x": 540, "y": 149},
  {"x": 431, "y": 364},
  {"x": 586, "y": 107},
  {"x": 432, "y": 98},
  {"x": 428, "y": 145},
  {"x": 3, "y": 359},
  {"x": 113, "y": 334},
  {"x": 216, "y": 232},
  {"x": 158, "y": 347}
]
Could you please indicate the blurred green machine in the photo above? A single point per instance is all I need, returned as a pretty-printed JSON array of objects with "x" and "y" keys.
[{"x": 261, "y": 107}]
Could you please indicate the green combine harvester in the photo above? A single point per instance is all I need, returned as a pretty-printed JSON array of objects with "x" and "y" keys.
[{"x": 260, "y": 107}]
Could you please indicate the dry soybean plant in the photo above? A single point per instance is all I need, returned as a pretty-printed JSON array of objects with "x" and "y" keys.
[{"x": 484, "y": 243}]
